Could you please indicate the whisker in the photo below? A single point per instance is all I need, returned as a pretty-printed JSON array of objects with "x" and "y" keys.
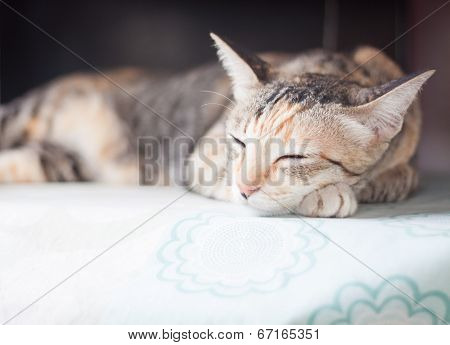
[
  {"x": 222, "y": 105},
  {"x": 219, "y": 94}
]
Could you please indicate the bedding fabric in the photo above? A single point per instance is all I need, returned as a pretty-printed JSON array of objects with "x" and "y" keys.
[{"x": 150, "y": 255}]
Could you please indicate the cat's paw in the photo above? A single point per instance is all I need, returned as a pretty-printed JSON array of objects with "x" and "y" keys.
[{"x": 334, "y": 200}]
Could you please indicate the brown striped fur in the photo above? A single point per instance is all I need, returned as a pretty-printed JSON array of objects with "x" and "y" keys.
[{"x": 345, "y": 132}]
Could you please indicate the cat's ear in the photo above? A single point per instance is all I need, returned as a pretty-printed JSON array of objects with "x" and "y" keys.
[
  {"x": 246, "y": 70},
  {"x": 387, "y": 104}
]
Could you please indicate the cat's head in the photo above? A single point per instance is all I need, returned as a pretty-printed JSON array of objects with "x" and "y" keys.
[{"x": 292, "y": 134}]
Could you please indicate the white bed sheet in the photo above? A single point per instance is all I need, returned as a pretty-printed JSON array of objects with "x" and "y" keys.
[{"x": 201, "y": 261}]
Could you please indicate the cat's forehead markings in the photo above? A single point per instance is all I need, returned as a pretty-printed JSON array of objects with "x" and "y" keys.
[
  {"x": 246, "y": 124},
  {"x": 278, "y": 103},
  {"x": 272, "y": 96},
  {"x": 253, "y": 124},
  {"x": 281, "y": 118},
  {"x": 309, "y": 88}
]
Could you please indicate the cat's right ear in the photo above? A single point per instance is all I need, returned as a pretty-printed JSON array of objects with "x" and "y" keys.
[{"x": 246, "y": 70}]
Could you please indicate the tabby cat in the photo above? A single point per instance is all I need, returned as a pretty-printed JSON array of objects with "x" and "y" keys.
[{"x": 345, "y": 128}]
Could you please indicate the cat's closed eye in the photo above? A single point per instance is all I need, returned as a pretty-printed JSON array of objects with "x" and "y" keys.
[
  {"x": 238, "y": 141},
  {"x": 289, "y": 157}
]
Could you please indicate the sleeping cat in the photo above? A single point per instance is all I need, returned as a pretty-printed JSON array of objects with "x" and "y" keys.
[{"x": 345, "y": 128}]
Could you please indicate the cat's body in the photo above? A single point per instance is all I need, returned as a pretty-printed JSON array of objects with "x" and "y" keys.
[
  {"x": 86, "y": 127},
  {"x": 98, "y": 122}
]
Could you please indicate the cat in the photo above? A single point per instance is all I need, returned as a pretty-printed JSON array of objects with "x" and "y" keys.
[{"x": 345, "y": 127}]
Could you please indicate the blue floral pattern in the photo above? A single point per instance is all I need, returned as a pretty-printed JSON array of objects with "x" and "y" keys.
[
  {"x": 358, "y": 303},
  {"x": 422, "y": 225},
  {"x": 229, "y": 256}
]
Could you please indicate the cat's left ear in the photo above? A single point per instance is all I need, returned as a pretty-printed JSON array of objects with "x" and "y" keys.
[
  {"x": 246, "y": 70},
  {"x": 385, "y": 105}
]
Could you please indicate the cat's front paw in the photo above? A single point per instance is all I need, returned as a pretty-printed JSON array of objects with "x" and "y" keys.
[{"x": 334, "y": 200}]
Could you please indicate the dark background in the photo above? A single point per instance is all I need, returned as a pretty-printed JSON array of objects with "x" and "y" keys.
[{"x": 173, "y": 35}]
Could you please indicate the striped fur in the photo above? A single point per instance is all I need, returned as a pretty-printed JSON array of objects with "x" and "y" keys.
[{"x": 345, "y": 132}]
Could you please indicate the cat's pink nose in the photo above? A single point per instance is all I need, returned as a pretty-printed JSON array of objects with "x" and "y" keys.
[{"x": 246, "y": 191}]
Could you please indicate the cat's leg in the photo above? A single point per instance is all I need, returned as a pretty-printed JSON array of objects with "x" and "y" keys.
[
  {"x": 339, "y": 200},
  {"x": 40, "y": 162},
  {"x": 392, "y": 185},
  {"x": 45, "y": 162},
  {"x": 21, "y": 165},
  {"x": 333, "y": 200}
]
